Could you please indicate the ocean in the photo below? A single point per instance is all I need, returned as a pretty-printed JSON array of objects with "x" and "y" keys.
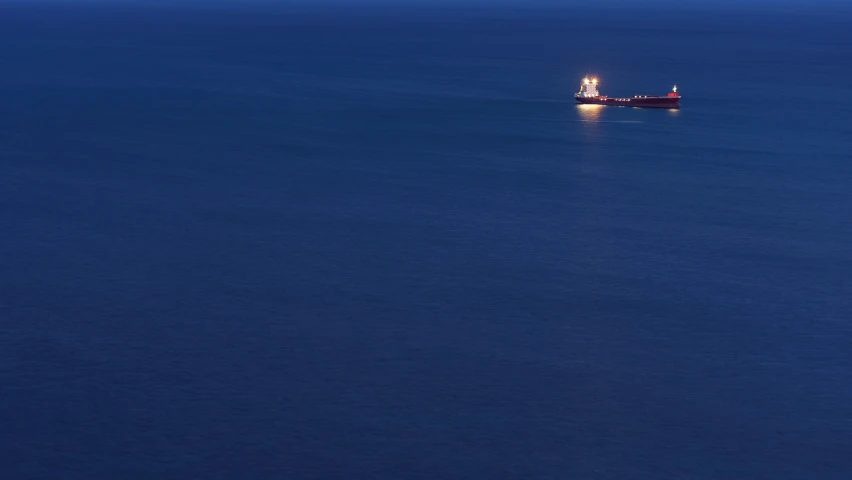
[{"x": 385, "y": 243}]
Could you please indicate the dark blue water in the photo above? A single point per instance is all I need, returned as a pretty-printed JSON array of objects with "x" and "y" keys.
[{"x": 282, "y": 244}]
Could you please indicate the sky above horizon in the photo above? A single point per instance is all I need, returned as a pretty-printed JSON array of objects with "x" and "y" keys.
[{"x": 631, "y": 4}]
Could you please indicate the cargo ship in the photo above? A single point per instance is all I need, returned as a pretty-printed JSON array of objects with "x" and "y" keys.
[{"x": 589, "y": 94}]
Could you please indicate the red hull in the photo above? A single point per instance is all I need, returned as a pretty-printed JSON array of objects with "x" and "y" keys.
[{"x": 638, "y": 101}]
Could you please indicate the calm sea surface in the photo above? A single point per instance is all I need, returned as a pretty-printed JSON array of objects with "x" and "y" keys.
[{"x": 373, "y": 244}]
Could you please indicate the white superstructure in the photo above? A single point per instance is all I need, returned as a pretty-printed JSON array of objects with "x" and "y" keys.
[{"x": 589, "y": 88}]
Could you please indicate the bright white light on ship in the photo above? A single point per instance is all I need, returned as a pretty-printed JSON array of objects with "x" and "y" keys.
[
  {"x": 586, "y": 81},
  {"x": 594, "y": 80},
  {"x": 674, "y": 89}
]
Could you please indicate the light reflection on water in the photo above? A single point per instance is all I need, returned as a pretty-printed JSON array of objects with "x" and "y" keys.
[{"x": 589, "y": 112}]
